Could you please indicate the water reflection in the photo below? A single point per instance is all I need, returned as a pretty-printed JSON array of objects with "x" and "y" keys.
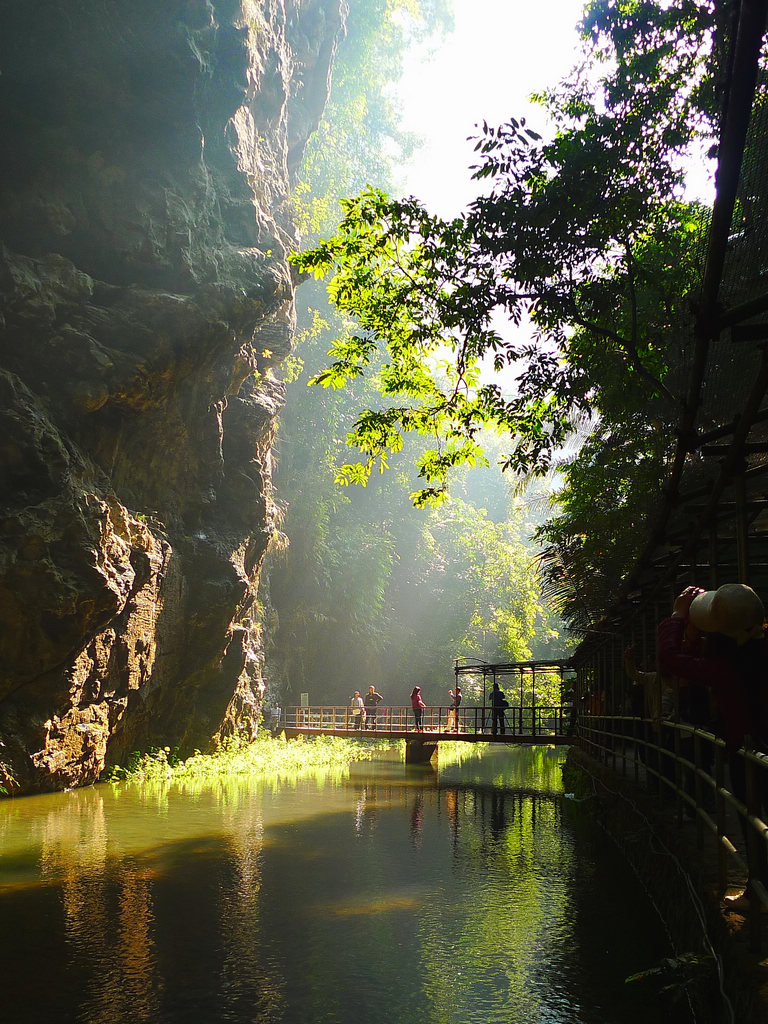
[{"x": 385, "y": 893}]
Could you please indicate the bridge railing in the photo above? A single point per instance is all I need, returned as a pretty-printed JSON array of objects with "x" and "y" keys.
[
  {"x": 690, "y": 771},
  {"x": 539, "y": 720}
]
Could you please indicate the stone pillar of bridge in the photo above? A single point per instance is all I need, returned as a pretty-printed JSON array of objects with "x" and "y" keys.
[{"x": 420, "y": 751}]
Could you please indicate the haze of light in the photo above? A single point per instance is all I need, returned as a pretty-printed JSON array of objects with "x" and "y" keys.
[{"x": 500, "y": 53}]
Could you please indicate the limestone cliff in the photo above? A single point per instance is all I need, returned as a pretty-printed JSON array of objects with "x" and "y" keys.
[{"x": 145, "y": 171}]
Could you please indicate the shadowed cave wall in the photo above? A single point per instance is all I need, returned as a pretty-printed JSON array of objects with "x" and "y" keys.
[{"x": 148, "y": 152}]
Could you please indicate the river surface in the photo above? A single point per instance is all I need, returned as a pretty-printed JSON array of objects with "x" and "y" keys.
[{"x": 473, "y": 894}]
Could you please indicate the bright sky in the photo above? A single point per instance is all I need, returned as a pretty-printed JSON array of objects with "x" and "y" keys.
[{"x": 501, "y": 52}]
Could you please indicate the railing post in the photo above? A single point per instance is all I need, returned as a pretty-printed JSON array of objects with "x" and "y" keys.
[
  {"x": 678, "y": 776},
  {"x": 722, "y": 865},
  {"x": 753, "y": 811},
  {"x": 646, "y": 733},
  {"x": 753, "y": 843},
  {"x": 698, "y": 787}
]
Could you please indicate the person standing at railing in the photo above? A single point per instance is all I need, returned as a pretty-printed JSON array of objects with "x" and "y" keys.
[
  {"x": 734, "y": 662},
  {"x": 656, "y": 697},
  {"x": 652, "y": 696},
  {"x": 371, "y": 700},
  {"x": 499, "y": 704},
  {"x": 418, "y": 706},
  {"x": 357, "y": 707},
  {"x": 452, "y": 724},
  {"x": 734, "y": 666}
]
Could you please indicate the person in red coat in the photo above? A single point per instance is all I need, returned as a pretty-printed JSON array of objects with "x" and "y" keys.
[
  {"x": 418, "y": 706},
  {"x": 733, "y": 664}
]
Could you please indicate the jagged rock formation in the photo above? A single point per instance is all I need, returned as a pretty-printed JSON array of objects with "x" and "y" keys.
[{"x": 144, "y": 222}]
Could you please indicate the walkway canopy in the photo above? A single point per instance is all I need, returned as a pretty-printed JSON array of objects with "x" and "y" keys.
[{"x": 516, "y": 678}]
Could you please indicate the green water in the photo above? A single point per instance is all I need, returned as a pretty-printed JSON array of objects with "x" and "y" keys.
[{"x": 474, "y": 894}]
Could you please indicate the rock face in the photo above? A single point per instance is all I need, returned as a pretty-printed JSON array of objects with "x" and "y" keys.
[{"x": 145, "y": 171}]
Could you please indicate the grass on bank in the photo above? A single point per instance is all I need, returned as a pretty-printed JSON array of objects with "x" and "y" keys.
[{"x": 265, "y": 756}]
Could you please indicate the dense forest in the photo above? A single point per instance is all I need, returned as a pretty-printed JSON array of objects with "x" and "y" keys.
[{"x": 369, "y": 588}]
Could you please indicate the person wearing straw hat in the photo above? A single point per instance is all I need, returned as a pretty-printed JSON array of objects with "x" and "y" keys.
[
  {"x": 734, "y": 667},
  {"x": 733, "y": 610},
  {"x": 735, "y": 661}
]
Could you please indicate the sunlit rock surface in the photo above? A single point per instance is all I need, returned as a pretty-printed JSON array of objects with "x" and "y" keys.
[{"x": 146, "y": 166}]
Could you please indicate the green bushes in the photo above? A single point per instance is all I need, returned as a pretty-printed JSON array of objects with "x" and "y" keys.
[{"x": 266, "y": 756}]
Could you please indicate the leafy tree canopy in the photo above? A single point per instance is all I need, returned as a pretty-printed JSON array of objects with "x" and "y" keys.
[{"x": 585, "y": 235}]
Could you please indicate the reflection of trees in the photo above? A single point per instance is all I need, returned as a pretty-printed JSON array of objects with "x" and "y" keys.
[
  {"x": 133, "y": 935},
  {"x": 464, "y": 893},
  {"x": 512, "y": 826},
  {"x": 108, "y": 916},
  {"x": 518, "y": 839},
  {"x": 251, "y": 982},
  {"x": 417, "y": 818}
]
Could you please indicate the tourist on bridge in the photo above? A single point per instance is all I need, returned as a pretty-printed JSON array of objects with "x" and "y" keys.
[
  {"x": 357, "y": 707},
  {"x": 498, "y": 705},
  {"x": 452, "y": 725},
  {"x": 371, "y": 700},
  {"x": 418, "y": 706}
]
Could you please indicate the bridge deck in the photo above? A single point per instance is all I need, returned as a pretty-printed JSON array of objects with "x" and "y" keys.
[
  {"x": 429, "y": 735},
  {"x": 524, "y": 725}
]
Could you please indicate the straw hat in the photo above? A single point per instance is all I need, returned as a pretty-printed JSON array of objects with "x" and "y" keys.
[{"x": 734, "y": 610}]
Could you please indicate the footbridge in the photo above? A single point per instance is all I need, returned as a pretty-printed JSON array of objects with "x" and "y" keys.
[
  {"x": 529, "y": 717},
  {"x": 514, "y": 725}
]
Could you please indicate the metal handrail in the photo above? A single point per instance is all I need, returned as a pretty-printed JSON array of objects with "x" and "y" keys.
[
  {"x": 526, "y": 720},
  {"x": 692, "y": 767}
]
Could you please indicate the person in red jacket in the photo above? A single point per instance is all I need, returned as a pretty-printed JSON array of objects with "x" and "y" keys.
[
  {"x": 733, "y": 665},
  {"x": 418, "y": 706}
]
